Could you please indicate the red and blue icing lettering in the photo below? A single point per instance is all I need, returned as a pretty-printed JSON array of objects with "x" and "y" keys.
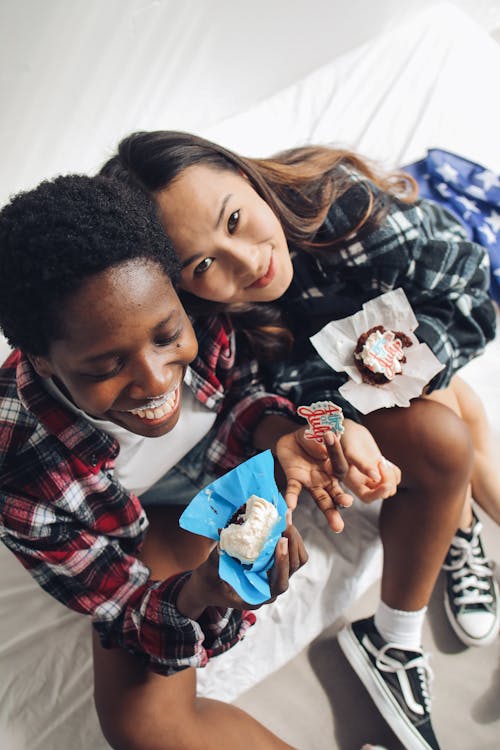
[{"x": 322, "y": 417}]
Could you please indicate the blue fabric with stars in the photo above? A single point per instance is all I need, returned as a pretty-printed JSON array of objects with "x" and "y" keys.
[{"x": 471, "y": 192}]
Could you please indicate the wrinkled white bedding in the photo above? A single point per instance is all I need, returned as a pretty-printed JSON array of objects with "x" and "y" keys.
[{"x": 427, "y": 84}]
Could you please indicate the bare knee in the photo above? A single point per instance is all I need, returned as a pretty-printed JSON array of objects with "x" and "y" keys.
[
  {"x": 141, "y": 710},
  {"x": 125, "y": 733},
  {"x": 427, "y": 440},
  {"x": 132, "y": 725},
  {"x": 443, "y": 438}
]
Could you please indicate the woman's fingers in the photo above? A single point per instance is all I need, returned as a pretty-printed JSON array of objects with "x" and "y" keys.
[
  {"x": 390, "y": 477},
  {"x": 290, "y": 555},
  {"x": 335, "y": 520},
  {"x": 341, "y": 498},
  {"x": 298, "y": 550},
  {"x": 329, "y": 506},
  {"x": 297, "y": 554},
  {"x": 280, "y": 572},
  {"x": 386, "y": 487},
  {"x": 368, "y": 490},
  {"x": 366, "y": 468},
  {"x": 395, "y": 470},
  {"x": 336, "y": 455},
  {"x": 293, "y": 490}
]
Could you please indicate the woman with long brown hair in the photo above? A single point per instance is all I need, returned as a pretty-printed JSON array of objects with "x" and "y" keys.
[{"x": 289, "y": 243}]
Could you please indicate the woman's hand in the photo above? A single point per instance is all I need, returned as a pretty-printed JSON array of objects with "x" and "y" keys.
[
  {"x": 370, "y": 476},
  {"x": 319, "y": 468},
  {"x": 205, "y": 588}
]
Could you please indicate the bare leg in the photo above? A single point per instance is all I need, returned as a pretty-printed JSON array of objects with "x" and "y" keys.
[
  {"x": 471, "y": 595},
  {"x": 432, "y": 447},
  {"x": 141, "y": 710},
  {"x": 485, "y": 473},
  {"x": 448, "y": 398}
]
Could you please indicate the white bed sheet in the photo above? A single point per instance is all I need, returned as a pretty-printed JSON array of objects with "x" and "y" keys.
[
  {"x": 426, "y": 84},
  {"x": 429, "y": 83}
]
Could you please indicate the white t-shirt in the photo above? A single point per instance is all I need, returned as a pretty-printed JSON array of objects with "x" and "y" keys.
[{"x": 142, "y": 461}]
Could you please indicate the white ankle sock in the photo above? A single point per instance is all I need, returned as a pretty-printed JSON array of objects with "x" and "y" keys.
[{"x": 401, "y": 627}]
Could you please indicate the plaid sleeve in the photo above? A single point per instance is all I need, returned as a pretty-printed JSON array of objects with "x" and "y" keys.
[
  {"x": 90, "y": 573},
  {"x": 311, "y": 379},
  {"x": 247, "y": 403},
  {"x": 447, "y": 279},
  {"x": 424, "y": 249},
  {"x": 238, "y": 389},
  {"x": 419, "y": 247}
]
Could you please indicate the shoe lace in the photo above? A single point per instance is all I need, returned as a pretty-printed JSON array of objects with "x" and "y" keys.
[
  {"x": 387, "y": 663},
  {"x": 469, "y": 568}
]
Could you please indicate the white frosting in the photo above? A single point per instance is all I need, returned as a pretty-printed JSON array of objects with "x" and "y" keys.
[
  {"x": 246, "y": 540},
  {"x": 382, "y": 353}
]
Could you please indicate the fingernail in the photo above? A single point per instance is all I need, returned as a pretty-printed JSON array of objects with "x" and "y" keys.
[
  {"x": 328, "y": 437},
  {"x": 288, "y": 517},
  {"x": 374, "y": 475},
  {"x": 284, "y": 546}
]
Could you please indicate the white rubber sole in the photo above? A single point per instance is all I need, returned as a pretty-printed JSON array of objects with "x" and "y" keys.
[
  {"x": 462, "y": 635},
  {"x": 379, "y": 693}
]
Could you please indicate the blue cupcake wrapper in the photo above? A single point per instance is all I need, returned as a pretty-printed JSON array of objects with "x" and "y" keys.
[{"x": 212, "y": 508}]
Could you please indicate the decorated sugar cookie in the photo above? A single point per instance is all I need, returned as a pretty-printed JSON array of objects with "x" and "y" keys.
[{"x": 322, "y": 417}]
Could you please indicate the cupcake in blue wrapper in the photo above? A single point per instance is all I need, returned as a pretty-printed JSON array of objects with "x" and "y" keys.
[{"x": 212, "y": 510}]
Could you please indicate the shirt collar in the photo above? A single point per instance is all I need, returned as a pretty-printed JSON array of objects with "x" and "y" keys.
[{"x": 91, "y": 445}]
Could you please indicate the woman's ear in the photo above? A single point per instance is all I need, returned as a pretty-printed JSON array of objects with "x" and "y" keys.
[{"x": 41, "y": 365}]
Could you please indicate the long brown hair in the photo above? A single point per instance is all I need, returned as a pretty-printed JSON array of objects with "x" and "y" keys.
[{"x": 299, "y": 185}]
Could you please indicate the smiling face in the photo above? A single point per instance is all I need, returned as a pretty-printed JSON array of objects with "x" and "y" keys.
[
  {"x": 230, "y": 243},
  {"x": 124, "y": 348}
]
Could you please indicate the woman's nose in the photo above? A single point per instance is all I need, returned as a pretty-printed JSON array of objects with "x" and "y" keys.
[
  {"x": 151, "y": 376},
  {"x": 247, "y": 259}
]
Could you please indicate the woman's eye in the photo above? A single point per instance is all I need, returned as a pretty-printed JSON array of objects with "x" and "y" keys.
[
  {"x": 98, "y": 377},
  {"x": 203, "y": 266},
  {"x": 167, "y": 340},
  {"x": 232, "y": 222}
]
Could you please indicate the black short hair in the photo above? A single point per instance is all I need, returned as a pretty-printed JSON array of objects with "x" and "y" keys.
[{"x": 60, "y": 233}]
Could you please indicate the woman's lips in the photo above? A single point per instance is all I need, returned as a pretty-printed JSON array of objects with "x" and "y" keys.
[{"x": 266, "y": 279}]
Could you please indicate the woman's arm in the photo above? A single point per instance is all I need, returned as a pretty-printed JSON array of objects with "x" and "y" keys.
[
  {"x": 91, "y": 573},
  {"x": 226, "y": 377},
  {"x": 447, "y": 283},
  {"x": 424, "y": 249}
]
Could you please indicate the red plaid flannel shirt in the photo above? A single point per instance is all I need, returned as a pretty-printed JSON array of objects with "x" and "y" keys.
[{"x": 78, "y": 532}]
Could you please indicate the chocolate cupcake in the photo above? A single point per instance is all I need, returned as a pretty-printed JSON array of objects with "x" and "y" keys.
[{"x": 379, "y": 354}]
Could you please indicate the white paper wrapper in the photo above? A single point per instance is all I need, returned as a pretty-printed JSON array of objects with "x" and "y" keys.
[{"x": 337, "y": 341}]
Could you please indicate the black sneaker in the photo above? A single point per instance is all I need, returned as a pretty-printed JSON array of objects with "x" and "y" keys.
[
  {"x": 471, "y": 593},
  {"x": 397, "y": 680}
]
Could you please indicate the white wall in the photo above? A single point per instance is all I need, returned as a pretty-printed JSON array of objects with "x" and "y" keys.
[{"x": 76, "y": 75}]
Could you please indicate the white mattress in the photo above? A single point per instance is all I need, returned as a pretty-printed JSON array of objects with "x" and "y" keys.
[{"x": 426, "y": 84}]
